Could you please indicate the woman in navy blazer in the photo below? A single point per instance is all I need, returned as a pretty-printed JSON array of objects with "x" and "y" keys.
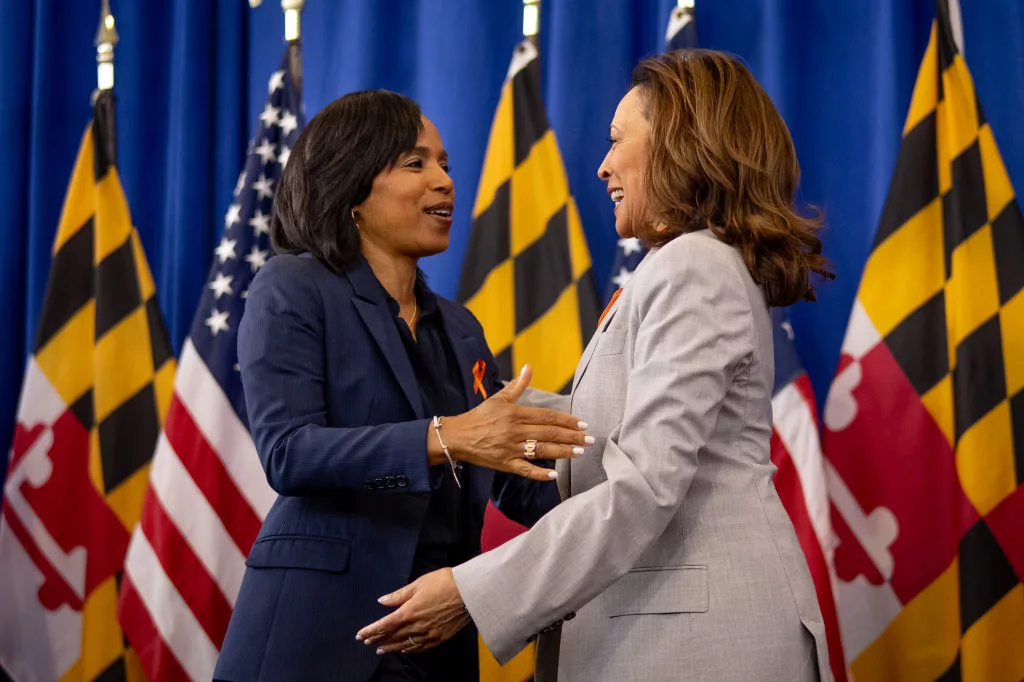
[{"x": 347, "y": 357}]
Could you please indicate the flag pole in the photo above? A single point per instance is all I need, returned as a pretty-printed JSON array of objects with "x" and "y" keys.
[
  {"x": 956, "y": 24},
  {"x": 106, "y": 40},
  {"x": 293, "y": 36},
  {"x": 104, "y": 126}
]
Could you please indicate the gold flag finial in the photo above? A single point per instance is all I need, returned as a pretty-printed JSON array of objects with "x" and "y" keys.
[
  {"x": 106, "y": 40},
  {"x": 292, "y": 25}
]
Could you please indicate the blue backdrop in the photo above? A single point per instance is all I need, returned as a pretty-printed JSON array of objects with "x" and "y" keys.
[{"x": 191, "y": 79}]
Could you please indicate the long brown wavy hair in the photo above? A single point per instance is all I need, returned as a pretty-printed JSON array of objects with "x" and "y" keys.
[{"x": 720, "y": 157}]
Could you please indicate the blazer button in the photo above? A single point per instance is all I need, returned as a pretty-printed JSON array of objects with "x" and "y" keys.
[
  {"x": 390, "y": 481},
  {"x": 370, "y": 485},
  {"x": 402, "y": 481},
  {"x": 379, "y": 483},
  {"x": 569, "y": 616}
]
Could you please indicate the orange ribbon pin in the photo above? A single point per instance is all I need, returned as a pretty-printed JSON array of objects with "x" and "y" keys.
[{"x": 479, "y": 367}]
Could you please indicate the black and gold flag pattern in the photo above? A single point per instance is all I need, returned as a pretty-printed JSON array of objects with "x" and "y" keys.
[
  {"x": 527, "y": 272},
  {"x": 102, "y": 344},
  {"x": 937, "y": 341}
]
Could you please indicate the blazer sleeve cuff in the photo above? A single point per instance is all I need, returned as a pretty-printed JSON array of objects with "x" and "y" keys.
[
  {"x": 505, "y": 634},
  {"x": 413, "y": 439}
]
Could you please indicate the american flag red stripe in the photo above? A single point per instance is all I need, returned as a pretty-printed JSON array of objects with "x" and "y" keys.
[
  {"x": 155, "y": 656},
  {"x": 210, "y": 475},
  {"x": 183, "y": 568},
  {"x": 149, "y": 598},
  {"x": 197, "y": 525}
]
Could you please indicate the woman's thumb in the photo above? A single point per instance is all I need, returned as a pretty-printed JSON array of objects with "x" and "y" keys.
[
  {"x": 515, "y": 388},
  {"x": 398, "y": 597}
]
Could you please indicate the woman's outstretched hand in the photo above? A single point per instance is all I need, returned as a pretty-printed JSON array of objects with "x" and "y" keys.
[
  {"x": 430, "y": 611},
  {"x": 494, "y": 434}
]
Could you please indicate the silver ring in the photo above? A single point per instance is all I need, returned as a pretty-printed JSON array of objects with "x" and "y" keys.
[
  {"x": 413, "y": 644},
  {"x": 530, "y": 448}
]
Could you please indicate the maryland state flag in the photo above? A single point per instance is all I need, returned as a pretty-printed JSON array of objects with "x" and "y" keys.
[
  {"x": 925, "y": 418},
  {"x": 95, "y": 392},
  {"x": 527, "y": 274}
]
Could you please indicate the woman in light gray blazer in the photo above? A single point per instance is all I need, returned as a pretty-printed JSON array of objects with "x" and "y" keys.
[{"x": 670, "y": 557}]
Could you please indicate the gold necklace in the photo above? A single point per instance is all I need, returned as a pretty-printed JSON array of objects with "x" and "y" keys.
[{"x": 415, "y": 314}]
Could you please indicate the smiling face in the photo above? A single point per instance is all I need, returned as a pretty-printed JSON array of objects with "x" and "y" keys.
[
  {"x": 623, "y": 166},
  {"x": 409, "y": 209}
]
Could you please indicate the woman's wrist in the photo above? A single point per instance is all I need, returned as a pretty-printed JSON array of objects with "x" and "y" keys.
[
  {"x": 435, "y": 453},
  {"x": 436, "y": 423},
  {"x": 450, "y": 429}
]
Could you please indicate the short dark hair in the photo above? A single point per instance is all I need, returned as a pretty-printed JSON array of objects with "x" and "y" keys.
[{"x": 331, "y": 169}]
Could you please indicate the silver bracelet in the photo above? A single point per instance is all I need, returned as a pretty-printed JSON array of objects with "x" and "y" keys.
[{"x": 444, "y": 449}]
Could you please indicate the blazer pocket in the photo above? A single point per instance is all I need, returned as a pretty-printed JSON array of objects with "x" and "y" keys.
[
  {"x": 300, "y": 551},
  {"x": 670, "y": 589},
  {"x": 610, "y": 343}
]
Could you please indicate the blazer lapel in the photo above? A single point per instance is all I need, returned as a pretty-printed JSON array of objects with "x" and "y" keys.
[
  {"x": 373, "y": 308},
  {"x": 588, "y": 352}
]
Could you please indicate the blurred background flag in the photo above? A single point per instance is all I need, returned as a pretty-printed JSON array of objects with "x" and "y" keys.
[
  {"x": 924, "y": 423},
  {"x": 527, "y": 274},
  {"x": 208, "y": 494},
  {"x": 96, "y": 389}
]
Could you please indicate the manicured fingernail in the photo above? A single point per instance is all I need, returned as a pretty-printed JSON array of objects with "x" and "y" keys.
[
  {"x": 577, "y": 451},
  {"x": 523, "y": 370},
  {"x": 552, "y": 475},
  {"x": 380, "y": 651},
  {"x": 589, "y": 440},
  {"x": 582, "y": 426},
  {"x": 367, "y": 642},
  {"x": 359, "y": 638},
  {"x": 385, "y": 599}
]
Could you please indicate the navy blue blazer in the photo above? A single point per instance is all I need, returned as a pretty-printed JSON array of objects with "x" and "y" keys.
[{"x": 335, "y": 412}]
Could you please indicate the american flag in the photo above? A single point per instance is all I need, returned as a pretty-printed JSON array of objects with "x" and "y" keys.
[
  {"x": 800, "y": 479},
  {"x": 681, "y": 33},
  {"x": 207, "y": 492}
]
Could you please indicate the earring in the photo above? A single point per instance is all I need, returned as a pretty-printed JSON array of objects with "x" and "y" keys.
[{"x": 352, "y": 213}]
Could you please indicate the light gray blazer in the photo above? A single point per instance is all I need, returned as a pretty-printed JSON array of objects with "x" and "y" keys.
[{"x": 671, "y": 556}]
